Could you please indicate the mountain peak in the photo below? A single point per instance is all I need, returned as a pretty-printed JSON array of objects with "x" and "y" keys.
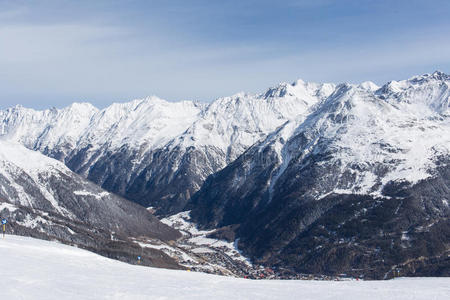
[
  {"x": 278, "y": 91},
  {"x": 82, "y": 107},
  {"x": 300, "y": 89},
  {"x": 436, "y": 75},
  {"x": 369, "y": 85},
  {"x": 440, "y": 75}
]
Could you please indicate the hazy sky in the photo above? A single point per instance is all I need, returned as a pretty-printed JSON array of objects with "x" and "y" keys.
[{"x": 53, "y": 53}]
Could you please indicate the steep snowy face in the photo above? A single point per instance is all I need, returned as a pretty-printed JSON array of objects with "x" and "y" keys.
[
  {"x": 426, "y": 94},
  {"x": 48, "y": 129},
  {"x": 41, "y": 197},
  {"x": 150, "y": 121},
  {"x": 32, "y": 182},
  {"x": 390, "y": 135},
  {"x": 25, "y": 176},
  {"x": 403, "y": 129},
  {"x": 232, "y": 124}
]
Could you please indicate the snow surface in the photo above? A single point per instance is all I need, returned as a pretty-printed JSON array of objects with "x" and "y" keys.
[
  {"x": 232, "y": 124},
  {"x": 86, "y": 193},
  {"x": 194, "y": 236},
  {"x": 15, "y": 160},
  {"x": 36, "y": 269},
  {"x": 24, "y": 168},
  {"x": 8, "y": 206},
  {"x": 33, "y": 162},
  {"x": 404, "y": 126},
  {"x": 145, "y": 121}
]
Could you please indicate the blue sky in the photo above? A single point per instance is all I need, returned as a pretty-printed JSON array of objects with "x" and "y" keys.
[{"x": 53, "y": 53}]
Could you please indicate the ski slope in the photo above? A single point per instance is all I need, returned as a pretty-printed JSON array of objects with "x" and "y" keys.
[{"x": 36, "y": 269}]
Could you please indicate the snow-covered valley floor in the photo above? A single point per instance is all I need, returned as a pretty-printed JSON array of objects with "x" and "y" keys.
[{"x": 36, "y": 269}]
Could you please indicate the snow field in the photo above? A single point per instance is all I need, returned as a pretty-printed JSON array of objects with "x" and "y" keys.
[{"x": 36, "y": 269}]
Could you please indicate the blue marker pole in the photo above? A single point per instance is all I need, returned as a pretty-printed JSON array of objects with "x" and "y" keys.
[{"x": 4, "y": 221}]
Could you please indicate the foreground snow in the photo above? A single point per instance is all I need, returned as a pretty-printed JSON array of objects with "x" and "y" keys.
[{"x": 35, "y": 269}]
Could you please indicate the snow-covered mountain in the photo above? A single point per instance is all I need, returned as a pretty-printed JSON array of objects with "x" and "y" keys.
[
  {"x": 155, "y": 152},
  {"x": 40, "y": 196},
  {"x": 362, "y": 183},
  {"x": 311, "y": 177}
]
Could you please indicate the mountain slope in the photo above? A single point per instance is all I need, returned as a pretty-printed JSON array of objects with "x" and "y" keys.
[
  {"x": 41, "y": 197},
  {"x": 44, "y": 270},
  {"x": 360, "y": 186}
]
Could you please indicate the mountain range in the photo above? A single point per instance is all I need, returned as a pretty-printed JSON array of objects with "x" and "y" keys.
[{"x": 311, "y": 178}]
